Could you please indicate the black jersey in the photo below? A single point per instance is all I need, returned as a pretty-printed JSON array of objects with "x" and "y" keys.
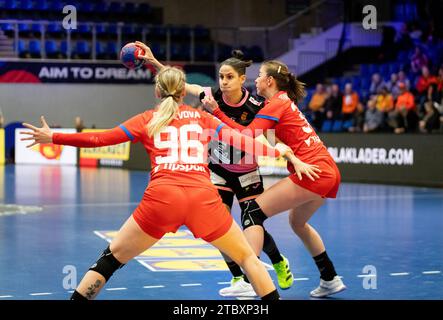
[{"x": 243, "y": 113}]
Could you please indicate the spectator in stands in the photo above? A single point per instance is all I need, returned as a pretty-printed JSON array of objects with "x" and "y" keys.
[
  {"x": 333, "y": 103},
  {"x": 373, "y": 118},
  {"x": 423, "y": 84},
  {"x": 376, "y": 84},
  {"x": 415, "y": 33},
  {"x": 440, "y": 86},
  {"x": 384, "y": 100},
  {"x": 316, "y": 106},
  {"x": 418, "y": 60},
  {"x": 404, "y": 118},
  {"x": 404, "y": 79},
  {"x": 79, "y": 126},
  {"x": 392, "y": 85},
  {"x": 350, "y": 102},
  {"x": 359, "y": 119},
  {"x": 431, "y": 120}
]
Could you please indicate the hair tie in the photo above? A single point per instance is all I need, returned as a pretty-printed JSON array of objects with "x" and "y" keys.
[{"x": 279, "y": 68}]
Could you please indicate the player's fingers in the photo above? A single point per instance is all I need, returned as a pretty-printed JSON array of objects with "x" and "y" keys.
[
  {"x": 43, "y": 120},
  {"x": 30, "y": 126},
  {"x": 316, "y": 169},
  {"x": 31, "y": 145},
  {"x": 298, "y": 174},
  {"x": 309, "y": 175},
  {"x": 27, "y": 132},
  {"x": 28, "y": 138}
]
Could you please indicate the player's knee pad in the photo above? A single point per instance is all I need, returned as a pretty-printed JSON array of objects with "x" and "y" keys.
[
  {"x": 107, "y": 264},
  {"x": 251, "y": 214}
]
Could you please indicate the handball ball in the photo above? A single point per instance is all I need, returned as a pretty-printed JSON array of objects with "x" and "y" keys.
[{"x": 129, "y": 56}]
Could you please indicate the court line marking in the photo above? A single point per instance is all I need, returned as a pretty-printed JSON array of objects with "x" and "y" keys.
[
  {"x": 1, "y": 297},
  {"x": 398, "y": 196},
  {"x": 190, "y": 284},
  {"x": 301, "y": 279},
  {"x": 366, "y": 276},
  {"x": 116, "y": 289},
  {"x": 432, "y": 272},
  {"x": 40, "y": 294},
  {"x": 96, "y": 204},
  {"x": 395, "y": 274},
  {"x": 153, "y": 287}
]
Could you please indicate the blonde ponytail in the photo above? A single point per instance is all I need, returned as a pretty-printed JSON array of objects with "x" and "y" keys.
[
  {"x": 166, "y": 112},
  {"x": 170, "y": 83}
]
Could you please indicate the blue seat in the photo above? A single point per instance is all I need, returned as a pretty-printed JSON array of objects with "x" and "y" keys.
[
  {"x": 24, "y": 29},
  {"x": 365, "y": 83},
  {"x": 180, "y": 33},
  {"x": 41, "y": 5},
  {"x": 26, "y": 5},
  {"x": 201, "y": 33},
  {"x": 21, "y": 48},
  {"x": 82, "y": 48},
  {"x": 348, "y": 124},
  {"x": 180, "y": 52},
  {"x": 129, "y": 8},
  {"x": 159, "y": 50},
  {"x": 204, "y": 51},
  {"x": 11, "y": 4},
  {"x": 157, "y": 33},
  {"x": 8, "y": 29},
  {"x": 373, "y": 68},
  {"x": 337, "y": 126},
  {"x": 35, "y": 48},
  {"x": 111, "y": 50},
  {"x": 326, "y": 126},
  {"x": 115, "y": 7},
  {"x": 86, "y": 7},
  {"x": 56, "y": 6},
  {"x": 364, "y": 70},
  {"x": 51, "y": 48},
  {"x": 54, "y": 29}
]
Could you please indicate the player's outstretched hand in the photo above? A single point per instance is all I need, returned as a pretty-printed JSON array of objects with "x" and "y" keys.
[
  {"x": 302, "y": 168},
  {"x": 148, "y": 55},
  {"x": 37, "y": 135},
  {"x": 209, "y": 103}
]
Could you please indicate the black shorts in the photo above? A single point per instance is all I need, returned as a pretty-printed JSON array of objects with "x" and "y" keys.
[{"x": 244, "y": 185}]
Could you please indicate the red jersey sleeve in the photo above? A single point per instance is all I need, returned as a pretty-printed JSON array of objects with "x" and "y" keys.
[
  {"x": 91, "y": 139},
  {"x": 130, "y": 130},
  {"x": 222, "y": 132},
  {"x": 254, "y": 129}
]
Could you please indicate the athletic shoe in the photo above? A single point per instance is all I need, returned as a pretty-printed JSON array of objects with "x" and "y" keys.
[
  {"x": 326, "y": 288},
  {"x": 284, "y": 274},
  {"x": 238, "y": 288}
]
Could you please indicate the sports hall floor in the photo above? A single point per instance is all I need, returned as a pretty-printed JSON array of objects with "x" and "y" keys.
[{"x": 386, "y": 241}]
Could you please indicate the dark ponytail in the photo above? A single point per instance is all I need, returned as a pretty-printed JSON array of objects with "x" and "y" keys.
[
  {"x": 237, "y": 62},
  {"x": 286, "y": 81}
]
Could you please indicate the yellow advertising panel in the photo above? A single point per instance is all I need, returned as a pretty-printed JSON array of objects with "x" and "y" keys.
[
  {"x": 271, "y": 166},
  {"x": 116, "y": 152},
  {"x": 2, "y": 146}
]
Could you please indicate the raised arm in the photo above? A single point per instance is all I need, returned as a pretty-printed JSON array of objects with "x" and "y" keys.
[
  {"x": 44, "y": 134},
  {"x": 193, "y": 89}
]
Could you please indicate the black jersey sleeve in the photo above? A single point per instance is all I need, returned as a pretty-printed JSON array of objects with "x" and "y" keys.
[{"x": 214, "y": 91}]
